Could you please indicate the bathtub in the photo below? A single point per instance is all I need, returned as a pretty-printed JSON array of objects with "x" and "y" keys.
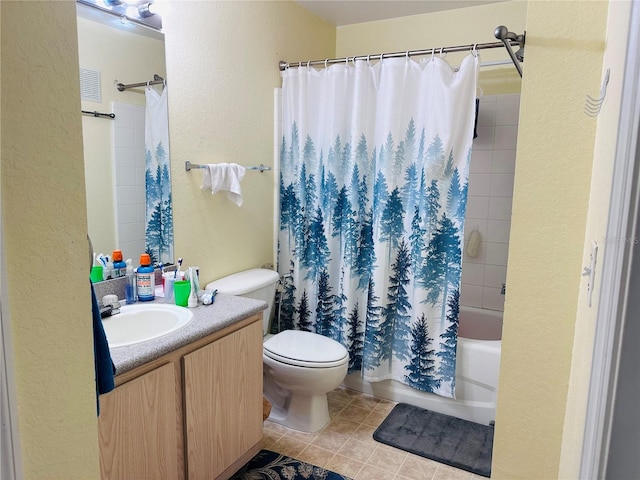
[{"x": 477, "y": 371}]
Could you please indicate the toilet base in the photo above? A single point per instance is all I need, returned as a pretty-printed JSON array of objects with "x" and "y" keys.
[{"x": 306, "y": 413}]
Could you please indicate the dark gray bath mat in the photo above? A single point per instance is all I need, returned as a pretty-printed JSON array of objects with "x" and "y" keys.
[{"x": 445, "y": 439}]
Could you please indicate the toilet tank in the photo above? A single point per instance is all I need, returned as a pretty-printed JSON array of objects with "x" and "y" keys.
[{"x": 258, "y": 283}]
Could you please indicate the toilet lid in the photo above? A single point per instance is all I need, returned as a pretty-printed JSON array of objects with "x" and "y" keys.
[{"x": 305, "y": 349}]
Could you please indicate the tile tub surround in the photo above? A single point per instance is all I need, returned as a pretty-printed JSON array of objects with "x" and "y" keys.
[
  {"x": 491, "y": 174},
  {"x": 129, "y": 170},
  {"x": 225, "y": 311},
  {"x": 346, "y": 444}
]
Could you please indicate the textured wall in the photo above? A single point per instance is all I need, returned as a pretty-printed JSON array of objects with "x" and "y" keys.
[
  {"x": 44, "y": 228},
  {"x": 460, "y": 26},
  {"x": 565, "y": 44},
  {"x": 222, "y": 59}
]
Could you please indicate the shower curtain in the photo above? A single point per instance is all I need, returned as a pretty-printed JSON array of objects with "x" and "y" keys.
[
  {"x": 373, "y": 187},
  {"x": 159, "y": 215}
]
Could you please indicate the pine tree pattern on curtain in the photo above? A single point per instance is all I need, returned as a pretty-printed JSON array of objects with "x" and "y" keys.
[
  {"x": 159, "y": 213},
  {"x": 373, "y": 188}
]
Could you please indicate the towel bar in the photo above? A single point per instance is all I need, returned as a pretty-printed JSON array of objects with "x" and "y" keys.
[{"x": 188, "y": 166}]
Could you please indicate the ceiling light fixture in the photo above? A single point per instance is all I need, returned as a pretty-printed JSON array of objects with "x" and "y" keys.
[
  {"x": 147, "y": 13},
  {"x": 144, "y": 10}
]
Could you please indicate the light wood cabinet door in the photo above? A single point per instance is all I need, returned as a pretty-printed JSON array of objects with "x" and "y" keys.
[
  {"x": 223, "y": 402},
  {"x": 139, "y": 428}
]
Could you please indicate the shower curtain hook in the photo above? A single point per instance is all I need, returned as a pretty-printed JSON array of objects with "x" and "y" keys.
[
  {"x": 381, "y": 55},
  {"x": 433, "y": 53},
  {"x": 474, "y": 50},
  {"x": 308, "y": 62},
  {"x": 441, "y": 50},
  {"x": 325, "y": 62},
  {"x": 368, "y": 62},
  {"x": 406, "y": 56}
]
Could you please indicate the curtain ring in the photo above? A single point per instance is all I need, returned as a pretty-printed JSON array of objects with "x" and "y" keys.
[
  {"x": 368, "y": 62},
  {"x": 441, "y": 50},
  {"x": 308, "y": 62},
  {"x": 406, "y": 56},
  {"x": 299, "y": 64},
  {"x": 346, "y": 61},
  {"x": 474, "y": 50},
  {"x": 325, "y": 63},
  {"x": 381, "y": 55}
]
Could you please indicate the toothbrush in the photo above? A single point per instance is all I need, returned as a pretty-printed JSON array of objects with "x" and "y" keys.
[{"x": 175, "y": 275}]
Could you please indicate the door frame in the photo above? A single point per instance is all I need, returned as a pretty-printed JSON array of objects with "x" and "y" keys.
[{"x": 616, "y": 266}]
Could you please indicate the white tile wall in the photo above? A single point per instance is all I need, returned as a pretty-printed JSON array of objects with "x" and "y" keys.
[
  {"x": 489, "y": 203},
  {"x": 129, "y": 164}
]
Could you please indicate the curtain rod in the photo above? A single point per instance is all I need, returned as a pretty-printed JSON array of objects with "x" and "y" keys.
[
  {"x": 188, "y": 166},
  {"x": 507, "y": 40},
  {"x": 99, "y": 114},
  {"x": 157, "y": 80}
]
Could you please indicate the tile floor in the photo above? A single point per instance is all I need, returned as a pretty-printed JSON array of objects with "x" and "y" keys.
[{"x": 346, "y": 444}]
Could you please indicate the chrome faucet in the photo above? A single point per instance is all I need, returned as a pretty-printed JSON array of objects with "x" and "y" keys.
[
  {"x": 110, "y": 306},
  {"x": 108, "y": 311}
]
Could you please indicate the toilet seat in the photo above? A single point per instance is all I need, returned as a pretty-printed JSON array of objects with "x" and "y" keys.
[{"x": 305, "y": 349}]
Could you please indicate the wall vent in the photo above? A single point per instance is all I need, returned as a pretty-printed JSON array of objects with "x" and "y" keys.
[{"x": 90, "y": 85}]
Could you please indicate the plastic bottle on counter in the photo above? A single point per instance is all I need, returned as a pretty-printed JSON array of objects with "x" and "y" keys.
[
  {"x": 192, "y": 301},
  {"x": 107, "y": 272},
  {"x": 130, "y": 285},
  {"x": 119, "y": 266},
  {"x": 146, "y": 279}
]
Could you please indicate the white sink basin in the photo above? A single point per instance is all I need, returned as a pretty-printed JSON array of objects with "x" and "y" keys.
[{"x": 142, "y": 322}]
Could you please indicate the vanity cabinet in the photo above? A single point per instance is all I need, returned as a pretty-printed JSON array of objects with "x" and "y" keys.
[
  {"x": 195, "y": 413},
  {"x": 139, "y": 428},
  {"x": 221, "y": 424}
]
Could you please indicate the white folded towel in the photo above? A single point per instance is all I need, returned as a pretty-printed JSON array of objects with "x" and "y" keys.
[{"x": 224, "y": 177}]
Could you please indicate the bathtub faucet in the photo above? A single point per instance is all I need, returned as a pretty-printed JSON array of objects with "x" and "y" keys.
[{"x": 503, "y": 290}]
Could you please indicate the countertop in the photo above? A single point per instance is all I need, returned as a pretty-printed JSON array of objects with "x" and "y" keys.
[{"x": 207, "y": 319}]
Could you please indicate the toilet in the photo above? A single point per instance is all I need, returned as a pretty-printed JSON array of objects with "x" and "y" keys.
[{"x": 299, "y": 368}]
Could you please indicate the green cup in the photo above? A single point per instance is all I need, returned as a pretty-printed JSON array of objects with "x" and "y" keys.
[
  {"x": 181, "y": 291},
  {"x": 96, "y": 274}
]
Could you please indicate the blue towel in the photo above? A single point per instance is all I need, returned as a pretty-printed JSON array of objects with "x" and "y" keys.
[{"x": 105, "y": 369}]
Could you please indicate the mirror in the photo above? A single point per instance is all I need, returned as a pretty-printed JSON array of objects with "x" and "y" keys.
[{"x": 111, "y": 52}]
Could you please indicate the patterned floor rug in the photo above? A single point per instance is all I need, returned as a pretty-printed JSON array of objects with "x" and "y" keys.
[
  {"x": 443, "y": 438},
  {"x": 268, "y": 465}
]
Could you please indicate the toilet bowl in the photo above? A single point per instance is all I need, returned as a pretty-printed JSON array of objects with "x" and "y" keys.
[{"x": 299, "y": 368}]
